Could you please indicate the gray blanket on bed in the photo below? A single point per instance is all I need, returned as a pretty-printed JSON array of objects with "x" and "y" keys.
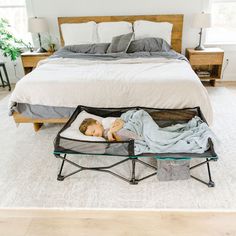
[
  {"x": 117, "y": 56},
  {"x": 148, "y": 47},
  {"x": 191, "y": 137}
]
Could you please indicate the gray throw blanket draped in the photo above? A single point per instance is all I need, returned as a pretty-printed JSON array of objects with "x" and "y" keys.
[
  {"x": 191, "y": 137},
  {"x": 65, "y": 53},
  {"x": 142, "y": 48}
]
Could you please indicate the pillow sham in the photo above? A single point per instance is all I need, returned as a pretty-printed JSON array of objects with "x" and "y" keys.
[
  {"x": 79, "y": 33},
  {"x": 120, "y": 43},
  {"x": 149, "y": 45},
  {"x": 147, "y": 29},
  {"x": 99, "y": 48},
  {"x": 107, "y": 30}
]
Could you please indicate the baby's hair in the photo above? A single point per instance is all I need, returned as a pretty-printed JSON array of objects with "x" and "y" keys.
[{"x": 86, "y": 122}]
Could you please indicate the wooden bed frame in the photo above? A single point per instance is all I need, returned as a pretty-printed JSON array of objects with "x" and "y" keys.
[{"x": 176, "y": 43}]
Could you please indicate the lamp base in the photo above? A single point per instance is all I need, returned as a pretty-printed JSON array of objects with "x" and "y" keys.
[
  {"x": 41, "y": 50},
  {"x": 199, "y": 48}
]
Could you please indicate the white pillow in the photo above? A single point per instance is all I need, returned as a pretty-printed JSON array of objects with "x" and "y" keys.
[
  {"x": 147, "y": 29},
  {"x": 79, "y": 33},
  {"x": 73, "y": 131},
  {"x": 107, "y": 30}
]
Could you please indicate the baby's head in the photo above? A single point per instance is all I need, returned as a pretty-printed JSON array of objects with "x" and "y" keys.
[{"x": 91, "y": 127}]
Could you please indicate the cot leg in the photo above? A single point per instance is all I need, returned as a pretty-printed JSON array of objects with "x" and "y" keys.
[
  {"x": 133, "y": 179},
  {"x": 210, "y": 183},
  {"x": 37, "y": 126},
  {"x": 60, "y": 177}
]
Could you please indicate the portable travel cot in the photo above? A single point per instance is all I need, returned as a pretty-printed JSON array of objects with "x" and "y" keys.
[{"x": 163, "y": 117}]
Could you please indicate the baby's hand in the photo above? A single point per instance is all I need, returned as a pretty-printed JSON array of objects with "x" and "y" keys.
[
  {"x": 117, "y": 125},
  {"x": 110, "y": 136}
]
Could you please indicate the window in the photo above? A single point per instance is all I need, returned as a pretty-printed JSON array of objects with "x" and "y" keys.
[
  {"x": 15, "y": 12},
  {"x": 224, "y": 22}
]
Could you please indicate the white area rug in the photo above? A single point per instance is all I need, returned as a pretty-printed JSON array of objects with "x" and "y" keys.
[{"x": 28, "y": 171}]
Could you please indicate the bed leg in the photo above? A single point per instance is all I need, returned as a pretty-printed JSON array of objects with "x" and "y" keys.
[
  {"x": 213, "y": 83},
  {"x": 37, "y": 126}
]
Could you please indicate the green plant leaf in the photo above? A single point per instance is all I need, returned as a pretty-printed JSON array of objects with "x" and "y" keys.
[{"x": 9, "y": 44}]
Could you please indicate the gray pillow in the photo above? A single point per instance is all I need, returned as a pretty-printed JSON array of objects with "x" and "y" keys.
[
  {"x": 149, "y": 45},
  {"x": 99, "y": 48},
  {"x": 120, "y": 43}
]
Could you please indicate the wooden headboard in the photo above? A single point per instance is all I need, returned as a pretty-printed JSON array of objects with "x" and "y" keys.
[{"x": 176, "y": 20}]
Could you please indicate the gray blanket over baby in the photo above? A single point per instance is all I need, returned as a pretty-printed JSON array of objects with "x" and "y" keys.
[{"x": 191, "y": 137}]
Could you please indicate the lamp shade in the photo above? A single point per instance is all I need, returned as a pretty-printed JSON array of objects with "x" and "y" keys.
[
  {"x": 202, "y": 20},
  {"x": 37, "y": 25}
]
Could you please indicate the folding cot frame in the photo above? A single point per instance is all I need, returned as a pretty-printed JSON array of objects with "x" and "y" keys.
[
  {"x": 62, "y": 154},
  {"x": 134, "y": 160}
]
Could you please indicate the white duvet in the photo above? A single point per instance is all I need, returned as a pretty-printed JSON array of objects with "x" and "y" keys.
[{"x": 148, "y": 82}]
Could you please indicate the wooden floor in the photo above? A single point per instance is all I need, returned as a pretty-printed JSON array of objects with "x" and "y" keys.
[{"x": 113, "y": 223}]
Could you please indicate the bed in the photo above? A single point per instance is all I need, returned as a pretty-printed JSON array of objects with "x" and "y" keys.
[{"x": 51, "y": 92}]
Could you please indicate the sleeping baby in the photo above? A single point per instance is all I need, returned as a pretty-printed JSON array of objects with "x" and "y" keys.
[
  {"x": 110, "y": 128},
  {"x": 190, "y": 137}
]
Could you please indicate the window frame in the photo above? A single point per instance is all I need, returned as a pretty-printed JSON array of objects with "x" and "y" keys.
[
  {"x": 211, "y": 2},
  {"x": 17, "y": 6}
]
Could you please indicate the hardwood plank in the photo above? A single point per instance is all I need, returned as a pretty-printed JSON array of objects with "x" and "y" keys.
[
  {"x": 176, "y": 20},
  {"x": 118, "y": 222},
  {"x": 14, "y": 226}
]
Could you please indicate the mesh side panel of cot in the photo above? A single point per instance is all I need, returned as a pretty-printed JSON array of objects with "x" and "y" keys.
[{"x": 86, "y": 147}]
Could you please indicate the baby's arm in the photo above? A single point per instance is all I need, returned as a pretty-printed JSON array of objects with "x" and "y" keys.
[{"x": 117, "y": 125}]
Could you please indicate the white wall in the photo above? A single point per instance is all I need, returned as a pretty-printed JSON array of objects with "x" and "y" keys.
[
  {"x": 51, "y": 9},
  {"x": 54, "y": 8}
]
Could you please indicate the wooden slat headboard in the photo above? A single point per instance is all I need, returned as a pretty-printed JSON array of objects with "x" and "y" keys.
[{"x": 176, "y": 20}]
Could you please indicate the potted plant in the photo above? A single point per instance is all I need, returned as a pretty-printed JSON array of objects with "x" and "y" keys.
[
  {"x": 9, "y": 44},
  {"x": 51, "y": 44}
]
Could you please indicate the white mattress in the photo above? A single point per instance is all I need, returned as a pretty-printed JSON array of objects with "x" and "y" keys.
[{"x": 148, "y": 82}]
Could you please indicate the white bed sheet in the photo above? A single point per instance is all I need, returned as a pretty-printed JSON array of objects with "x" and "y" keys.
[{"x": 148, "y": 82}]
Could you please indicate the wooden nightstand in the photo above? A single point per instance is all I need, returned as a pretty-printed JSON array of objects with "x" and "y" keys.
[
  {"x": 31, "y": 59},
  {"x": 210, "y": 59}
]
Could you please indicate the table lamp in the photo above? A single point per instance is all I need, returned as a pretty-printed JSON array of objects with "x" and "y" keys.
[
  {"x": 38, "y": 25},
  {"x": 202, "y": 20}
]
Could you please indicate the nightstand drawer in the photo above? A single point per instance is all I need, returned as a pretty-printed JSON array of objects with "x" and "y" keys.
[
  {"x": 32, "y": 61},
  {"x": 207, "y": 59}
]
